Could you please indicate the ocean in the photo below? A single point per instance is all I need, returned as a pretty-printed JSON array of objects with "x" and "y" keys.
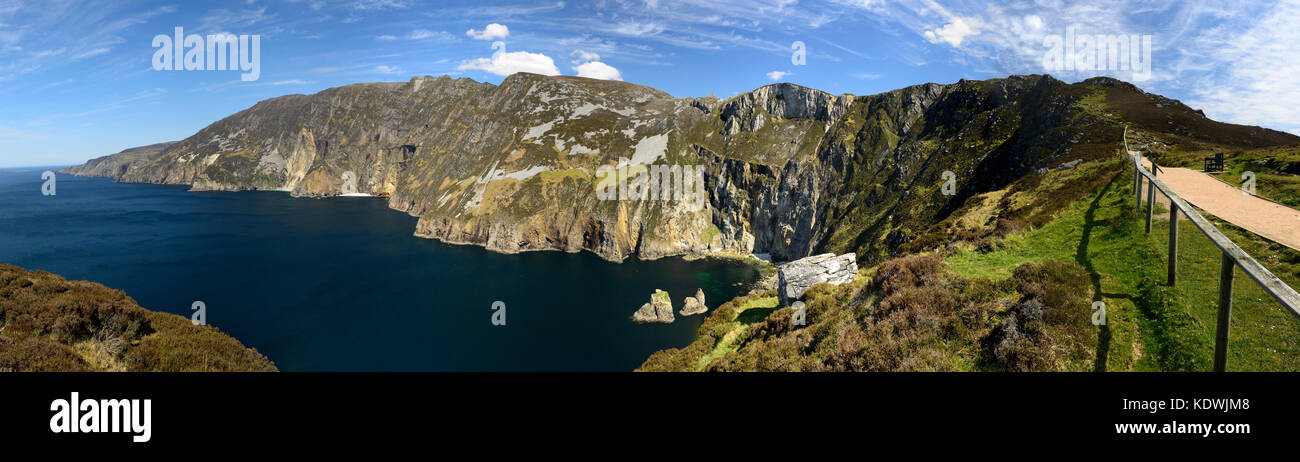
[{"x": 342, "y": 284}]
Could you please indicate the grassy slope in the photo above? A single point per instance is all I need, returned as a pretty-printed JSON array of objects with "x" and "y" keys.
[
  {"x": 1150, "y": 326},
  {"x": 719, "y": 335},
  {"x": 1153, "y": 327},
  {"x": 50, "y": 324},
  {"x": 1084, "y": 219}
]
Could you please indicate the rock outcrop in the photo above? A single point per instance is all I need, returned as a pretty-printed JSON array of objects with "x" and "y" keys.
[
  {"x": 660, "y": 309},
  {"x": 694, "y": 305},
  {"x": 796, "y": 277}
]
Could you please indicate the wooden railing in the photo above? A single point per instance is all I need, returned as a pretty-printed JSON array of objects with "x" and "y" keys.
[{"x": 1233, "y": 256}]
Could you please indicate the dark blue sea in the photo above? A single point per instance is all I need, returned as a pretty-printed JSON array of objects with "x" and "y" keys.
[{"x": 343, "y": 285}]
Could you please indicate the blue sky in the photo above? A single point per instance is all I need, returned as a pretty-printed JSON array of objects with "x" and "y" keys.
[{"x": 76, "y": 78}]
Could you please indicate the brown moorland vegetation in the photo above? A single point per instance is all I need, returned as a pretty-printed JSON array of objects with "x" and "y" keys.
[{"x": 48, "y": 324}]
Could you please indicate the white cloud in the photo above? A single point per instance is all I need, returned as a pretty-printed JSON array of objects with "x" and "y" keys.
[
  {"x": 585, "y": 56},
  {"x": 506, "y": 63},
  {"x": 1252, "y": 77},
  {"x": 386, "y": 37},
  {"x": 492, "y": 31},
  {"x": 387, "y": 69},
  {"x": 776, "y": 75},
  {"x": 290, "y": 82},
  {"x": 1236, "y": 62},
  {"x": 954, "y": 32},
  {"x": 1034, "y": 22},
  {"x": 598, "y": 70}
]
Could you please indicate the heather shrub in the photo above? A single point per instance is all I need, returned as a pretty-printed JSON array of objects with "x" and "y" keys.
[
  {"x": 1049, "y": 328},
  {"x": 42, "y": 318}
]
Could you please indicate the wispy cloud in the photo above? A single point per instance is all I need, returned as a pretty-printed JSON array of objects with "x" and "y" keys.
[
  {"x": 425, "y": 34},
  {"x": 47, "y": 53},
  {"x": 87, "y": 54}
]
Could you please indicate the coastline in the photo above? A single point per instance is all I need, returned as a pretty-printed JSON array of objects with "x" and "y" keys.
[{"x": 765, "y": 268}]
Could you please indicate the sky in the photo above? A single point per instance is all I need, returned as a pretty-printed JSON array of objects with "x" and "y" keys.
[{"x": 80, "y": 79}]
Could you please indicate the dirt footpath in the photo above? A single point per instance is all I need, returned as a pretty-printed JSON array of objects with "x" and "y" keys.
[{"x": 1273, "y": 221}]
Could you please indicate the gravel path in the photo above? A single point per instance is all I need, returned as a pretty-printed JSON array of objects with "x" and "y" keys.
[{"x": 1273, "y": 221}]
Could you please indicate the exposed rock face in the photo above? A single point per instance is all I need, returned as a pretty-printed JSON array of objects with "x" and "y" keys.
[
  {"x": 788, "y": 170},
  {"x": 694, "y": 305},
  {"x": 1069, "y": 165},
  {"x": 117, "y": 164},
  {"x": 660, "y": 309},
  {"x": 797, "y": 276}
]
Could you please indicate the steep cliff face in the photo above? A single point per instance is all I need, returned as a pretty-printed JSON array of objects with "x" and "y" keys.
[{"x": 787, "y": 170}]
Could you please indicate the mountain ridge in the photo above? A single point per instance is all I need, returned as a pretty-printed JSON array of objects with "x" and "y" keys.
[{"x": 789, "y": 170}]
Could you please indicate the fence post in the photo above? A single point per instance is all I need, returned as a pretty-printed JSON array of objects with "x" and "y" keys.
[
  {"x": 1226, "y": 272},
  {"x": 1137, "y": 185},
  {"x": 1151, "y": 202},
  {"x": 1173, "y": 243}
]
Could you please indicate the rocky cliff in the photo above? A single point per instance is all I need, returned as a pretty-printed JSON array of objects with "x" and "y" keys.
[{"x": 787, "y": 170}]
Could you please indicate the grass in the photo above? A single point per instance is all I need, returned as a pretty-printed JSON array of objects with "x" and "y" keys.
[
  {"x": 748, "y": 312},
  {"x": 1151, "y": 326},
  {"x": 1283, "y": 189},
  {"x": 1100, "y": 233},
  {"x": 720, "y": 334}
]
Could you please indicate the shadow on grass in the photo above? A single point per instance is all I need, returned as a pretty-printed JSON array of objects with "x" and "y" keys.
[
  {"x": 754, "y": 315},
  {"x": 1081, "y": 256}
]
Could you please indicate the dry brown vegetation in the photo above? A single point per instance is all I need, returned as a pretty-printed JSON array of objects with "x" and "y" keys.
[
  {"x": 915, "y": 315},
  {"x": 49, "y": 324}
]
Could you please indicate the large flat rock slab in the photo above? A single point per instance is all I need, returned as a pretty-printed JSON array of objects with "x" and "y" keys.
[{"x": 794, "y": 278}]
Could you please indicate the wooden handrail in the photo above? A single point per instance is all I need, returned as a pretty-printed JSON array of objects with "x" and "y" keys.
[{"x": 1233, "y": 256}]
